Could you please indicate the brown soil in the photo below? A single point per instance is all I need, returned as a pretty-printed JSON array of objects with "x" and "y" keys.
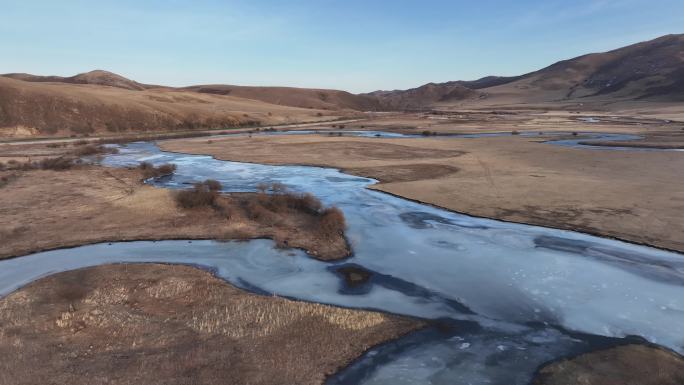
[
  {"x": 160, "y": 324},
  {"x": 636, "y": 196},
  {"x": 624, "y": 365},
  {"x": 51, "y": 209}
]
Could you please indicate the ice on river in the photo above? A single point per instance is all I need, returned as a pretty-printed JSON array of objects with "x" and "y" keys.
[{"x": 425, "y": 262}]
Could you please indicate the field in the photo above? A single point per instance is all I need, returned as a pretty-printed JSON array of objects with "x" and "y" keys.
[
  {"x": 631, "y": 195},
  {"x": 46, "y": 209},
  {"x": 142, "y": 324}
]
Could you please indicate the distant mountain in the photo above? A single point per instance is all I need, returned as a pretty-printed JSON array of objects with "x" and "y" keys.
[
  {"x": 486, "y": 82},
  {"x": 41, "y": 107},
  {"x": 425, "y": 96},
  {"x": 652, "y": 70},
  {"x": 100, "y": 101},
  {"x": 97, "y": 77},
  {"x": 295, "y": 97},
  {"x": 648, "y": 70},
  {"x": 284, "y": 96}
]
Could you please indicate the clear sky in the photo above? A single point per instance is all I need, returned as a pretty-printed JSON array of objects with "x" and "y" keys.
[{"x": 355, "y": 45}]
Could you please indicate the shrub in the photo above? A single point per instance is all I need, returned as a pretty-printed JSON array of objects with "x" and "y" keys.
[
  {"x": 258, "y": 212},
  {"x": 332, "y": 222},
  {"x": 200, "y": 195},
  {"x": 87, "y": 150},
  {"x": 57, "y": 164},
  {"x": 426, "y": 133},
  {"x": 278, "y": 188},
  {"x": 80, "y": 142},
  {"x": 166, "y": 169},
  {"x": 149, "y": 171},
  {"x": 94, "y": 150},
  {"x": 212, "y": 184},
  {"x": 574, "y": 133},
  {"x": 303, "y": 202},
  {"x": 515, "y": 132},
  {"x": 6, "y": 179}
]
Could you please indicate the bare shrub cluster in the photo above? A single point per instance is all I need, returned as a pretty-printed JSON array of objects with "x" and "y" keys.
[
  {"x": 273, "y": 205},
  {"x": 59, "y": 163},
  {"x": 150, "y": 171},
  {"x": 6, "y": 179},
  {"x": 202, "y": 194},
  {"x": 275, "y": 200},
  {"x": 91, "y": 149},
  {"x": 332, "y": 222}
]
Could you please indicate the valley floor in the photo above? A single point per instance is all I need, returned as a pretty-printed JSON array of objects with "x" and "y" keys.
[
  {"x": 631, "y": 195},
  {"x": 45, "y": 209},
  {"x": 144, "y": 324}
]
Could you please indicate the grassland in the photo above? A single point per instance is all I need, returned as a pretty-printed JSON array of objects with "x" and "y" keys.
[
  {"x": 622, "y": 365},
  {"x": 631, "y": 195},
  {"x": 45, "y": 209},
  {"x": 145, "y": 324}
]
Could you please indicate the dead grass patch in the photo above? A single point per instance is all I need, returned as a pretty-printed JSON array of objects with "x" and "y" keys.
[
  {"x": 151, "y": 324},
  {"x": 151, "y": 171}
]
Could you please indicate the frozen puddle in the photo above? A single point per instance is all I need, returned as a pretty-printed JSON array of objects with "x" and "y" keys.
[{"x": 515, "y": 296}]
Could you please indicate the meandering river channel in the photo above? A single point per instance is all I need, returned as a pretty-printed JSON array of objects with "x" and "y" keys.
[{"x": 509, "y": 297}]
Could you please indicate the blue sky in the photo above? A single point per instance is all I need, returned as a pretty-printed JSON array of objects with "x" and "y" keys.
[{"x": 352, "y": 44}]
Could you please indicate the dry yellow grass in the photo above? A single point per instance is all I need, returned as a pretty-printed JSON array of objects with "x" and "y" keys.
[
  {"x": 49, "y": 209},
  {"x": 631, "y": 195},
  {"x": 142, "y": 324},
  {"x": 622, "y": 365}
]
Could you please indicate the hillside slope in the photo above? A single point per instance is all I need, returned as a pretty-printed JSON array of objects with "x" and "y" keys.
[
  {"x": 652, "y": 70},
  {"x": 53, "y": 108},
  {"x": 97, "y": 77},
  {"x": 428, "y": 95},
  {"x": 284, "y": 96},
  {"x": 294, "y": 97},
  {"x": 647, "y": 71}
]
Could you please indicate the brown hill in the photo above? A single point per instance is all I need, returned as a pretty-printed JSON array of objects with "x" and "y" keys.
[
  {"x": 487, "y": 81},
  {"x": 295, "y": 97},
  {"x": 98, "y": 77},
  {"x": 285, "y": 96},
  {"x": 648, "y": 70},
  {"x": 60, "y": 108},
  {"x": 428, "y": 95},
  {"x": 652, "y": 70}
]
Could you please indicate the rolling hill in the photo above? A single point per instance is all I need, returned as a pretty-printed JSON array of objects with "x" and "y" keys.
[
  {"x": 295, "y": 97},
  {"x": 101, "y": 101},
  {"x": 30, "y": 108},
  {"x": 428, "y": 95},
  {"x": 650, "y": 71},
  {"x": 97, "y": 77}
]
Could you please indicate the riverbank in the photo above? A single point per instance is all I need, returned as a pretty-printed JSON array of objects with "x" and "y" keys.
[
  {"x": 622, "y": 365},
  {"x": 44, "y": 209},
  {"x": 634, "y": 196},
  {"x": 175, "y": 324}
]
